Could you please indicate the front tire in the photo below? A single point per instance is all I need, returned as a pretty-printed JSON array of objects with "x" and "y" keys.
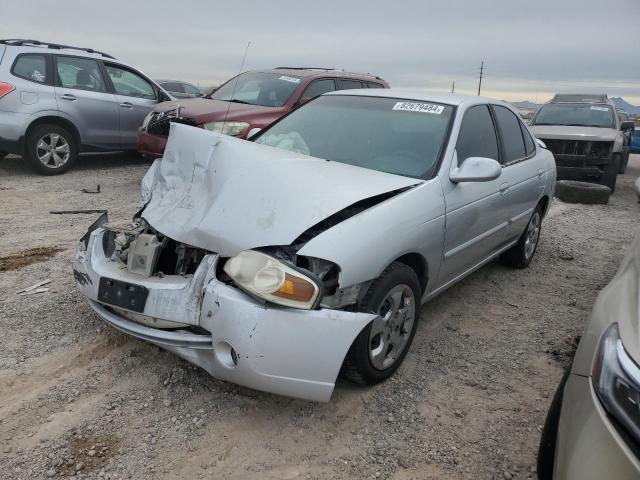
[
  {"x": 521, "y": 254},
  {"x": 548, "y": 439},
  {"x": 3, "y": 154},
  {"x": 51, "y": 149},
  {"x": 380, "y": 348},
  {"x": 610, "y": 175}
]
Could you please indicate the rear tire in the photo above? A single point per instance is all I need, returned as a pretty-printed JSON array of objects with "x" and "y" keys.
[
  {"x": 380, "y": 348},
  {"x": 521, "y": 254},
  {"x": 3, "y": 154},
  {"x": 50, "y": 149}
]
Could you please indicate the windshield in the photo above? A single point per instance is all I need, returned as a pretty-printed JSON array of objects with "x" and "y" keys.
[
  {"x": 402, "y": 137},
  {"x": 578, "y": 114},
  {"x": 258, "y": 88}
]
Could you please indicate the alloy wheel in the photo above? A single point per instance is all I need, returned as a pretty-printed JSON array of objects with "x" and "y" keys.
[
  {"x": 53, "y": 150},
  {"x": 391, "y": 330}
]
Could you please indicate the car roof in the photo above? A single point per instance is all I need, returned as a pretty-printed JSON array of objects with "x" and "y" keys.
[
  {"x": 305, "y": 72},
  {"x": 453, "y": 99}
]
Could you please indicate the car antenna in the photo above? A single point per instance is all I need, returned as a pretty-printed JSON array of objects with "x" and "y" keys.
[{"x": 233, "y": 92}]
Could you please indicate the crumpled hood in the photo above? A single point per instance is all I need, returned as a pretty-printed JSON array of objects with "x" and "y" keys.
[
  {"x": 561, "y": 132},
  {"x": 226, "y": 195}
]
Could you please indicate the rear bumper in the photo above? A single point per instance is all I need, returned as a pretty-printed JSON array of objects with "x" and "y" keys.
[
  {"x": 588, "y": 444},
  {"x": 287, "y": 351},
  {"x": 149, "y": 145},
  {"x": 13, "y": 126}
]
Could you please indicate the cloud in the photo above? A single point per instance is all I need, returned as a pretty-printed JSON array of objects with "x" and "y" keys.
[{"x": 527, "y": 47}]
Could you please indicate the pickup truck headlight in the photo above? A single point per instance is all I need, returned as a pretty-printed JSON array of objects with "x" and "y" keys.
[
  {"x": 270, "y": 279},
  {"x": 616, "y": 378},
  {"x": 227, "y": 128}
]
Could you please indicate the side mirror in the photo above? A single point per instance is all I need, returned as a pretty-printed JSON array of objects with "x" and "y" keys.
[
  {"x": 253, "y": 131},
  {"x": 476, "y": 169},
  {"x": 541, "y": 143},
  {"x": 627, "y": 125}
]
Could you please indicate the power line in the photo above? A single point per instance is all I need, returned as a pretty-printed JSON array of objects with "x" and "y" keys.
[{"x": 480, "y": 80}]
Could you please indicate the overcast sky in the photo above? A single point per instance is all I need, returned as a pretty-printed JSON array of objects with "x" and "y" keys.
[{"x": 531, "y": 49}]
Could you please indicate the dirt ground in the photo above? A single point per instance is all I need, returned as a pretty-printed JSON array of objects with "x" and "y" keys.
[{"x": 78, "y": 399}]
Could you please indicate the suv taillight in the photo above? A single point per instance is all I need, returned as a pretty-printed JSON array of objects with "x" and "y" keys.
[{"x": 6, "y": 88}]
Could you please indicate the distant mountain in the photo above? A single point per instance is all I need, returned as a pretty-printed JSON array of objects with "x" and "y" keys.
[
  {"x": 525, "y": 104},
  {"x": 627, "y": 107}
]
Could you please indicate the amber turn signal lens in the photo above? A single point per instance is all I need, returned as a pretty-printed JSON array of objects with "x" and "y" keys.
[{"x": 295, "y": 288}]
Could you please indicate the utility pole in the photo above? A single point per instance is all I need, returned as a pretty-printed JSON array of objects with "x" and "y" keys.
[
  {"x": 453, "y": 87},
  {"x": 480, "y": 81}
]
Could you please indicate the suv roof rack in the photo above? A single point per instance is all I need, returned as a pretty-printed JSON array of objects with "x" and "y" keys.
[
  {"x": 56, "y": 46},
  {"x": 580, "y": 97}
]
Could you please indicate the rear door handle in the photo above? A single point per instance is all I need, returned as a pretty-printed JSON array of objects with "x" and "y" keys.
[
  {"x": 68, "y": 96},
  {"x": 540, "y": 172},
  {"x": 504, "y": 188},
  {"x": 126, "y": 105}
]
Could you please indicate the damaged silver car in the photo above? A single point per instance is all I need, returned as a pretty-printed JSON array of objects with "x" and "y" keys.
[{"x": 306, "y": 253}]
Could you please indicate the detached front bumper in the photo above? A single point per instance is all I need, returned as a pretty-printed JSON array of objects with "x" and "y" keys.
[
  {"x": 287, "y": 351},
  {"x": 588, "y": 445}
]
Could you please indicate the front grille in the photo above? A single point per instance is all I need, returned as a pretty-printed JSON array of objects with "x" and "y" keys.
[
  {"x": 578, "y": 147},
  {"x": 159, "y": 122}
]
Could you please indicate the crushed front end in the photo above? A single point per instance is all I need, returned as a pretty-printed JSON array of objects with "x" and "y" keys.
[
  {"x": 583, "y": 160},
  {"x": 180, "y": 298}
]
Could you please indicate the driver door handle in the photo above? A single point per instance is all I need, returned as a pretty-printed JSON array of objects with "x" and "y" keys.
[
  {"x": 68, "y": 96},
  {"x": 126, "y": 105},
  {"x": 504, "y": 188}
]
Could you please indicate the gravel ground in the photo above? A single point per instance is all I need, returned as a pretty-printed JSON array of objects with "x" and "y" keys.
[{"x": 80, "y": 400}]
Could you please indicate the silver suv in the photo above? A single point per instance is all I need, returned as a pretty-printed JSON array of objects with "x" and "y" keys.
[{"x": 57, "y": 101}]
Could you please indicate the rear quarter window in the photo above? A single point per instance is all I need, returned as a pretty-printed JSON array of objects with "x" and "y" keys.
[{"x": 31, "y": 66}]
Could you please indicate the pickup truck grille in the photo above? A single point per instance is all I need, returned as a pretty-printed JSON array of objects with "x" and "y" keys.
[{"x": 578, "y": 147}]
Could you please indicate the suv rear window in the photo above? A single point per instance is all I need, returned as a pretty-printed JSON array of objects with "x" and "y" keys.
[{"x": 31, "y": 66}]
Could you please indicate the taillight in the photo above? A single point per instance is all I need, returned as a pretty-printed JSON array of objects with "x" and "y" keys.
[{"x": 6, "y": 88}]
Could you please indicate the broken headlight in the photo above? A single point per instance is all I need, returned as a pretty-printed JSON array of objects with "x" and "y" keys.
[
  {"x": 273, "y": 280},
  {"x": 227, "y": 128},
  {"x": 616, "y": 378}
]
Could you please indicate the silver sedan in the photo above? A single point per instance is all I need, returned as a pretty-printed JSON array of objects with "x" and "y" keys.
[{"x": 307, "y": 252}]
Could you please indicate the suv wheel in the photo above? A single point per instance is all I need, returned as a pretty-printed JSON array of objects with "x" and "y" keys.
[
  {"x": 380, "y": 348},
  {"x": 3, "y": 154},
  {"x": 51, "y": 149}
]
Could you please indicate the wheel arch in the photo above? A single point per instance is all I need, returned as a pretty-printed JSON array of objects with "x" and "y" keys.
[
  {"x": 544, "y": 204},
  {"x": 418, "y": 264},
  {"x": 54, "y": 120}
]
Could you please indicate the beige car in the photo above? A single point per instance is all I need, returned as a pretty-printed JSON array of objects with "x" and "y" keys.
[{"x": 593, "y": 426}]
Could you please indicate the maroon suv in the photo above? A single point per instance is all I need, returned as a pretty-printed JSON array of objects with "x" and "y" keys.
[{"x": 250, "y": 100}]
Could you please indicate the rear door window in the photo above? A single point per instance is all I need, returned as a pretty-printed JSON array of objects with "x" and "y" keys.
[
  {"x": 511, "y": 134},
  {"x": 79, "y": 74},
  {"x": 529, "y": 144},
  {"x": 31, "y": 66},
  {"x": 345, "y": 84},
  {"x": 374, "y": 85},
  {"x": 477, "y": 137}
]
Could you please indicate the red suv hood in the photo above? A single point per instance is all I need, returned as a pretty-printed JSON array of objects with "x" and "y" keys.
[{"x": 203, "y": 110}]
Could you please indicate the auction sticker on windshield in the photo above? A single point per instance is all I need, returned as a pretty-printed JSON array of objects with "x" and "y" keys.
[
  {"x": 289, "y": 79},
  {"x": 419, "y": 107},
  {"x": 600, "y": 109}
]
